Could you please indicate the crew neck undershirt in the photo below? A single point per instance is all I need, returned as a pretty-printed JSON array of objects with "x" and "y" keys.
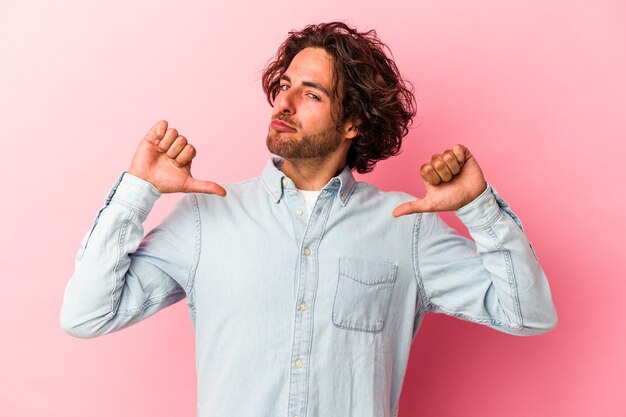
[{"x": 310, "y": 197}]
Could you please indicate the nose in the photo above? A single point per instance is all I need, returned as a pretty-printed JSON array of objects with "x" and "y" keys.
[{"x": 284, "y": 102}]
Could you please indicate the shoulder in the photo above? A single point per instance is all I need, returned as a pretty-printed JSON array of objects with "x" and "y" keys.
[
  {"x": 247, "y": 195},
  {"x": 366, "y": 192}
]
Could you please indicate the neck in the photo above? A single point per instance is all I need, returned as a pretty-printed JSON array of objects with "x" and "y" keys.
[{"x": 312, "y": 173}]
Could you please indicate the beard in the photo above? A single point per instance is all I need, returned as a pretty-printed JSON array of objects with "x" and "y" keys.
[{"x": 317, "y": 145}]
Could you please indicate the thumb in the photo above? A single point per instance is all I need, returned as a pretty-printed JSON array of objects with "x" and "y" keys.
[
  {"x": 417, "y": 206},
  {"x": 206, "y": 187}
]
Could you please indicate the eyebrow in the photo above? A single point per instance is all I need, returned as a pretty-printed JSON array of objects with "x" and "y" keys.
[{"x": 311, "y": 84}]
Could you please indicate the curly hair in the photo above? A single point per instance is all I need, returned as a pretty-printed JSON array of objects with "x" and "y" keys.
[{"x": 374, "y": 95}]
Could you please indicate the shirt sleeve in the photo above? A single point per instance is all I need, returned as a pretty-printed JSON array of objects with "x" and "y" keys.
[
  {"x": 120, "y": 277},
  {"x": 495, "y": 280}
]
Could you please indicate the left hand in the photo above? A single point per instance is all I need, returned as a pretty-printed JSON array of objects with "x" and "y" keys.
[{"x": 452, "y": 180}]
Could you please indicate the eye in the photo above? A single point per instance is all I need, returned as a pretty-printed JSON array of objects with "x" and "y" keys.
[
  {"x": 313, "y": 96},
  {"x": 283, "y": 87}
]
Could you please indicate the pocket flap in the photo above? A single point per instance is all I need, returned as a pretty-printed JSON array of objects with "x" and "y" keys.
[{"x": 367, "y": 272}]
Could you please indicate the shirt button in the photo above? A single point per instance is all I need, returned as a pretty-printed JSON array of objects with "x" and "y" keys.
[
  {"x": 492, "y": 201},
  {"x": 299, "y": 212},
  {"x": 307, "y": 251},
  {"x": 342, "y": 198},
  {"x": 303, "y": 307},
  {"x": 276, "y": 194},
  {"x": 285, "y": 182},
  {"x": 124, "y": 187},
  {"x": 299, "y": 363}
]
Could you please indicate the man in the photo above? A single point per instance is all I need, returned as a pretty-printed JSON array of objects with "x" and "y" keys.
[{"x": 304, "y": 290}]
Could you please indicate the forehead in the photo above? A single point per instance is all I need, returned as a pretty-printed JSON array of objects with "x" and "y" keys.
[{"x": 311, "y": 64}]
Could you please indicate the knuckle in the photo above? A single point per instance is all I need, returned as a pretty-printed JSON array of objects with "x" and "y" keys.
[
  {"x": 438, "y": 164},
  {"x": 448, "y": 156},
  {"x": 181, "y": 141}
]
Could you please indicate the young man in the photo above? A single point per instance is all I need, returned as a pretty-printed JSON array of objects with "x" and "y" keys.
[{"x": 305, "y": 287}]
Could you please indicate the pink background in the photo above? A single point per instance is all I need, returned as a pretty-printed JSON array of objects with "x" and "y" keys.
[{"x": 536, "y": 89}]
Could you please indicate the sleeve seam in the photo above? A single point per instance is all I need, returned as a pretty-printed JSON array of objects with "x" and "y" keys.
[
  {"x": 425, "y": 304},
  {"x": 116, "y": 273},
  {"x": 197, "y": 249},
  {"x": 506, "y": 255}
]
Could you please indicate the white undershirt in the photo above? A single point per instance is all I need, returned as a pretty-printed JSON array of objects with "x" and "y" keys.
[{"x": 310, "y": 197}]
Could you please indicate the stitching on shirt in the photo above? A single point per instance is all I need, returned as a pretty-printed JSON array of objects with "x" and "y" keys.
[
  {"x": 121, "y": 240},
  {"x": 152, "y": 300},
  {"x": 424, "y": 302},
  {"x": 358, "y": 329},
  {"x": 131, "y": 206},
  {"x": 506, "y": 254},
  {"x": 390, "y": 279},
  {"x": 386, "y": 286},
  {"x": 470, "y": 318},
  {"x": 191, "y": 279},
  {"x": 488, "y": 223}
]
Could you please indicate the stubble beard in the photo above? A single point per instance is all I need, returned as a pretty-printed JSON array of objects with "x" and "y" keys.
[{"x": 318, "y": 145}]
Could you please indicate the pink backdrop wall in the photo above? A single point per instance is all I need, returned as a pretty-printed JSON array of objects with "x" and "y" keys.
[{"x": 536, "y": 89}]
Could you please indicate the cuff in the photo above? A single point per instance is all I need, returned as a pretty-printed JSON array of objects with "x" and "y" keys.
[
  {"x": 482, "y": 211},
  {"x": 134, "y": 192}
]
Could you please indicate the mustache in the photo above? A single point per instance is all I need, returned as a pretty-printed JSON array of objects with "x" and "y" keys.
[{"x": 286, "y": 119}]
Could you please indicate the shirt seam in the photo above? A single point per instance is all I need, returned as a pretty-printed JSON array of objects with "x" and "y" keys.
[
  {"x": 116, "y": 272},
  {"x": 191, "y": 279},
  {"x": 424, "y": 303},
  {"x": 518, "y": 323}
]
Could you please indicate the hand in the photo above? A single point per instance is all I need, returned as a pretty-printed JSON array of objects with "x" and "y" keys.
[
  {"x": 163, "y": 158},
  {"x": 452, "y": 180}
]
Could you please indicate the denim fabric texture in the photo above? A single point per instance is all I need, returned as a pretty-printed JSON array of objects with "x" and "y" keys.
[{"x": 302, "y": 318}]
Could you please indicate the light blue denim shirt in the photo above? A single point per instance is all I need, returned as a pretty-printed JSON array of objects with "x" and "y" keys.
[{"x": 302, "y": 318}]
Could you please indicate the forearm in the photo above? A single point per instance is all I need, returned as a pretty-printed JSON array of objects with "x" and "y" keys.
[
  {"x": 520, "y": 283},
  {"x": 495, "y": 280},
  {"x": 104, "y": 292}
]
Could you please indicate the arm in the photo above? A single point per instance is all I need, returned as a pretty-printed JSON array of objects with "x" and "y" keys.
[
  {"x": 495, "y": 280},
  {"x": 118, "y": 278}
]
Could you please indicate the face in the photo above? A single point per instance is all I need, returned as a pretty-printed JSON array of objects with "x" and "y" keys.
[{"x": 302, "y": 125}]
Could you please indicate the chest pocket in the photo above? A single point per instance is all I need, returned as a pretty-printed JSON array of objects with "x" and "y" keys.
[{"x": 363, "y": 294}]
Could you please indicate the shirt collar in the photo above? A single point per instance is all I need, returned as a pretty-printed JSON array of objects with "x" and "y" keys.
[{"x": 276, "y": 181}]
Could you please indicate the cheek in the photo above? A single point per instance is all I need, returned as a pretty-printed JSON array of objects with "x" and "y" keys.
[{"x": 321, "y": 120}]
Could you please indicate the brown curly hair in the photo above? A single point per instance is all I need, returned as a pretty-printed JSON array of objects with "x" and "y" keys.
[{"x": 374, "y": 95}]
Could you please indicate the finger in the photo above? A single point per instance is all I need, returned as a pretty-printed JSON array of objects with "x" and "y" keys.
[
  {"x": 461, "y": 153},
  {"x": 167, "y": 140},
  {"x": 176, "y": 147},
  {"x": 186, "y": 155},
  {"x": 417, "y": 206},
  {"x": 451, "y": 162},
  {"x": 207, "y": 187},
  {"x": 428, "y": 173},
  {"x": 156, "y": 132},
  {"x": 441, "y": 167}
]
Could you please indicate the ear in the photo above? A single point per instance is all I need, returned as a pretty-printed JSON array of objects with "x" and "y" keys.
[{"x": 350, "y": 129}]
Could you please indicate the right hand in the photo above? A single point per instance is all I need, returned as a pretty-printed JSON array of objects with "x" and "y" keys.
[{"x": 163, "y": 158}]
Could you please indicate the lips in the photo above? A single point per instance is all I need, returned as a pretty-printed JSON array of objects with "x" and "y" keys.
[{"x": 281, "y": 126}]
